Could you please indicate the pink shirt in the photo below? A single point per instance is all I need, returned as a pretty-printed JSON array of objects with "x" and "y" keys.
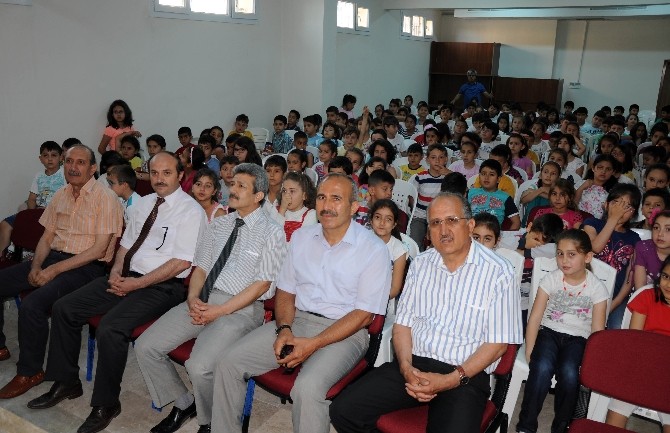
[{"x": 112, "y": 133}]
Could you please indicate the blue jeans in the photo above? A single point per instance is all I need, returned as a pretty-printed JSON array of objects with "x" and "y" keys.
[
  {"x": 616, "y": 316},
  {"x": 557, "y": 354}
]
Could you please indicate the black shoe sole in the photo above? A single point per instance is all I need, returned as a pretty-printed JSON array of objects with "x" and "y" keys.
[{"x": 78, "y": 393}]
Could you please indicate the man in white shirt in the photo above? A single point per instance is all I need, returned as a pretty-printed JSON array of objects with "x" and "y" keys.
[
  {"x": 458, "y": 311},
  {"x": 336, "y": 277}
]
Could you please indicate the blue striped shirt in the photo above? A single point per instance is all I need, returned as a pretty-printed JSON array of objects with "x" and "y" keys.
[{"x": 452, "y": 314}]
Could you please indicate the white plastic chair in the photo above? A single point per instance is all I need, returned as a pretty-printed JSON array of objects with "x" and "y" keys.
[
  {"x": 523, "y": 174},
  {"x": 598, "y": 403},
  {"x": 542, "y": 267},
  {"x": 644, "y": 236},
  {"x": 386, "y": 347},
  {"x": 261, "y": 136},
  {"x": 402, "y": 190},
  {"x": 311, "y": 174},
  {"x": 517, "y": 261}
]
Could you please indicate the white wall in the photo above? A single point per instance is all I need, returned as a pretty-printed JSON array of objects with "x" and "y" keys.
[
  {"x": 381, "y": 66},
  {"x": 527, "y": 49},
  {"x": 622, "y": 59},
  {"x": 63, "y": 63}
]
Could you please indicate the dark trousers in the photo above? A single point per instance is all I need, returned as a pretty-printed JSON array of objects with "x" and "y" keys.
[
  {"x": 382, "y": 391},
  {"x": 559, "y": 354},
  {"x": 35, "y": 308},
  {"x": 121, "y": 316}
]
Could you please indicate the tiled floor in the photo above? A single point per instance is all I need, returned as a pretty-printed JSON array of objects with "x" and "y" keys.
[{"x": 269, "y": 415}]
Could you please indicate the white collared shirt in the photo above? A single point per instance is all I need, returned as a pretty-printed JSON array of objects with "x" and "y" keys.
[
  {"x": 174, "y": 234},
  {"x": 354, "y": 274},
  {"x": 452, "y": 314}
]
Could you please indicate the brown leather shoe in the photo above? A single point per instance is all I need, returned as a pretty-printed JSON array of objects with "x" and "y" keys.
[
  {"x": 20, "y": 384},
  {"x": 4, "y": 354}
]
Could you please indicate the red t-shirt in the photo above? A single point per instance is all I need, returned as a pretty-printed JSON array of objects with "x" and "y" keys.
[{"x": 658, "y": 313}]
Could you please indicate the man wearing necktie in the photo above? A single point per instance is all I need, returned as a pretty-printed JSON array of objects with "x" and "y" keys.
[
  {"x": 237, "y": 259},
  {"x": 155, "y": 255}
]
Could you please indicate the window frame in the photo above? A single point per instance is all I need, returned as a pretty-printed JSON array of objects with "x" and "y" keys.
[
  {"x": 411, "y": 15},
  {"x": 356, "y": 29},
  {"x": 185, "y": 13}
]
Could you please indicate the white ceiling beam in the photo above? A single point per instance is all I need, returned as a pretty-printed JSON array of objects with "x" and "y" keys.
[{"x": 567, "y": 13}]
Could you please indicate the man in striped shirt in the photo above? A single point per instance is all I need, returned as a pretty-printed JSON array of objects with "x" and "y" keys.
[
  {"x": 81, "y": 224},
  {"x": 458, "y": 311}
]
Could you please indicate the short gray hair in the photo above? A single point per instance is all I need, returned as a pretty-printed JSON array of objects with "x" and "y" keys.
[
  {"x": 261, "y": 183},
  {"x": 352, "y": 182},
  {"x": 91, "y": 154},
  {"x": 467, "y": 210}
]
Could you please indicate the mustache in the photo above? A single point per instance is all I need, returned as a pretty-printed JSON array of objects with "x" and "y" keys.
[
  {"x": 160, "y": 184},
  {"x": 328, "y": 213},
  {"x": 233, "y": 196},
  {"x": 74, "y": 173}
]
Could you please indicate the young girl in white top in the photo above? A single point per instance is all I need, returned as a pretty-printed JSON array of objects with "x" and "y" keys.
[
  {"x": 384, "y": 221},
  {"x": 296, "y": 203},
  {"x": 205, "y": 190},
  {"x": 570, "y": 304},
  {"x": 575, "y": 164}
]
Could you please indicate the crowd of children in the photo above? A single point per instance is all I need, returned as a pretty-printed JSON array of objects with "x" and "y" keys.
[{"x": 564, "y": 187}]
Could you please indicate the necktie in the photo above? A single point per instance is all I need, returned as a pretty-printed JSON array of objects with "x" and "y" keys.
[
  {"x": 221, "y": 261},
  {"x": 146, "y": 228}
]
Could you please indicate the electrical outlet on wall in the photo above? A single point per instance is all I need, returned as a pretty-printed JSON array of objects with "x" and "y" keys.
[{"x": 575, "y": 85}]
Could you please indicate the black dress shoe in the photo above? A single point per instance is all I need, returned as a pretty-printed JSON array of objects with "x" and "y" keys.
[
  {"x": 207, "y": 428},
  {"x": 99, "y": 418},
  {"x": 59, "y": 391},
  {"x": 175, "y": 420}
]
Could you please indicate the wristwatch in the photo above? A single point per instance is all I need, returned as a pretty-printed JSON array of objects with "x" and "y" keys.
[
  {"x": 464, "y": 377},
  {"x": 279, "y": 328}
]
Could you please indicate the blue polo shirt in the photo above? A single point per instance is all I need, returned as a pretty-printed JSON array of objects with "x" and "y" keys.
[{"x": 472, "y": 91}]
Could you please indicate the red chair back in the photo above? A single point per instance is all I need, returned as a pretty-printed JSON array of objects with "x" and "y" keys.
[
  {"x": 629, "y": 365},
  {"x": 27, "y": 229},
  {"x": 143, "y": 187}
]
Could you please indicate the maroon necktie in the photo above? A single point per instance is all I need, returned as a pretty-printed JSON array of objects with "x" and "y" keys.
[{"x": 146, "y": 228}]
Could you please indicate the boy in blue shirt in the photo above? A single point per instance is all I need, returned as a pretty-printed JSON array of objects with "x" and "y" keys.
[
  {"x": 281, "y": 141},
  {"x": 311, "y": 126},
  {"x": 490, "y": 199}
]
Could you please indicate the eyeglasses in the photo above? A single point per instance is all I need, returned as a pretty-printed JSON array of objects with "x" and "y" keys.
[{"x": 450, "y": 221}]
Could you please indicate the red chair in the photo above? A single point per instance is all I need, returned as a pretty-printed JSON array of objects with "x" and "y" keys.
[
  {"x": 628, "y": 365},
  {"x": 26, "y": 234},
  {"x": 415, "y": 420},
  {"x": 143, "y": 187},
  {"x": 280, "y": 384}
]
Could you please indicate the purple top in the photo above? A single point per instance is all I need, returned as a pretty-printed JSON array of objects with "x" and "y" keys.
[{"x": 646, "y": 256}]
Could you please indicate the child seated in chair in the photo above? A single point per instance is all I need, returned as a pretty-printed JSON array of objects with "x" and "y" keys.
[
  {"x": 241, "y": 124},
  {"x": 122, "y": 180},
  {"x": 488, "y": 198},
  {"x": 570, "y": 304},
  {"x": 539, "y": 241},
  {"x": 45, "y": 183},
  {"x": 413, "y": 166}
]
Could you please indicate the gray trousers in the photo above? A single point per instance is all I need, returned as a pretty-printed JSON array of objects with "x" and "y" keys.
[
  {"x": 254, "y": 355},
  {"x": 213, "y": 342}
]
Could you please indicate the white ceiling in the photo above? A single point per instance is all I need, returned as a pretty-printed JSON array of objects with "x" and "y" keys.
[{"x": 548, "y": 9}]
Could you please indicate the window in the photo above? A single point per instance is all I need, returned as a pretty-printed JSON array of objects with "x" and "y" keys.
[
  {"x": 345, "y": 15},
  {"x": 352, "y": 17},
  {"x": 416, "y": 27},
  {"x": 206, "y": 10},
  {"x": 429, "y": 28},
  {"x": 363, "y": 18}
]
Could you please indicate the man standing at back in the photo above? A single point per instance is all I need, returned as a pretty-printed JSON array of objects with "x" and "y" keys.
[
  {"x": 336, "y": 277},
  {"x": 81, "y": 224},
  {"x": 146, "y": 280}
]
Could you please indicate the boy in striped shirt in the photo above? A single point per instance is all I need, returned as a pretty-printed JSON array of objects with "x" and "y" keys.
[{"x": 428, "y": 184}]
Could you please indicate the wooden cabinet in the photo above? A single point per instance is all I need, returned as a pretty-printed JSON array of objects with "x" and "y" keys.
[
  {"x": 528, "y": 91},
  {"x": 449, "y": 62}
]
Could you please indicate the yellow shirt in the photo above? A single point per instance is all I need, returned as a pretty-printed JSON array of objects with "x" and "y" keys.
[
  {"x": 246, "y": 133},
  {"x": 505, "y": 185}
]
